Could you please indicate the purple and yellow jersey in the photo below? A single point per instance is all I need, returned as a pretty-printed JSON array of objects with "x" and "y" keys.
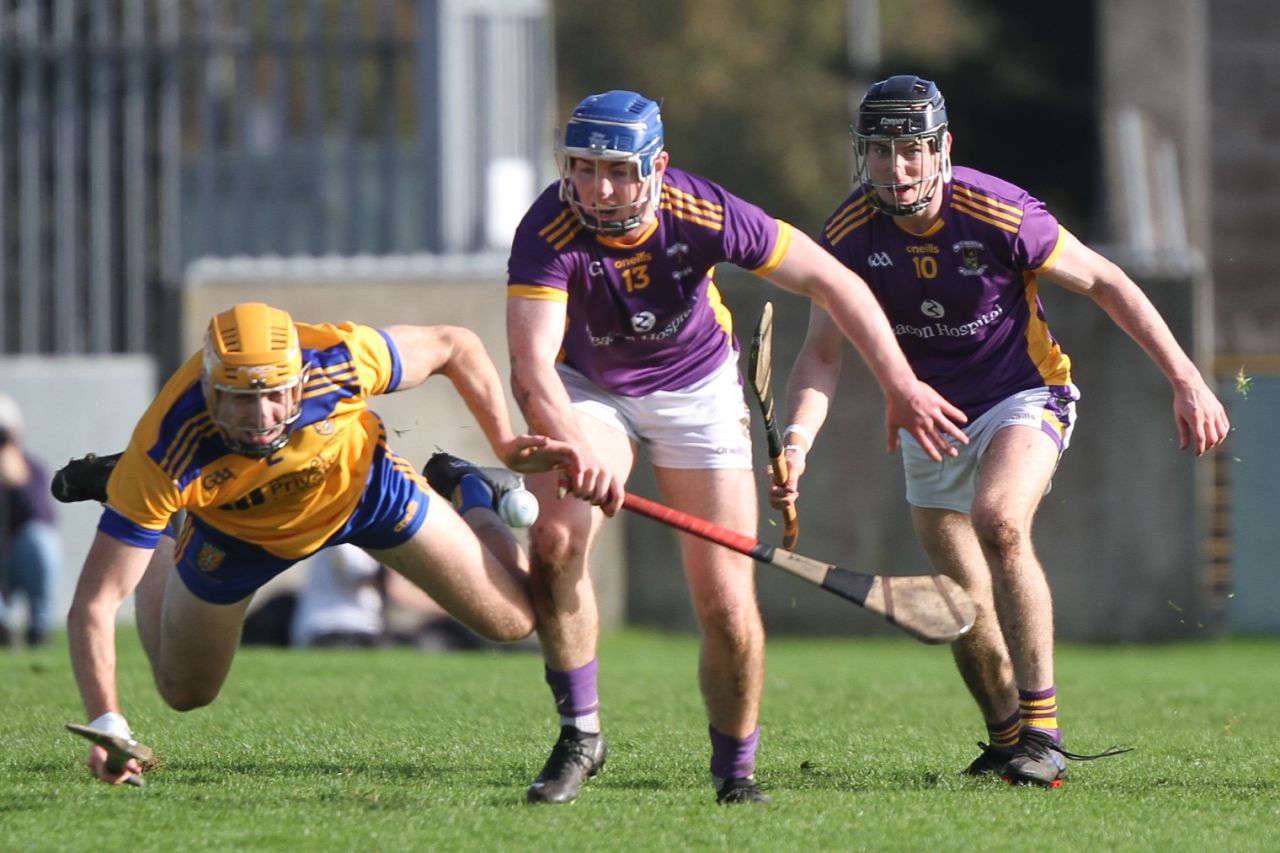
[
  {"x": 645, "y": 315},
  {"x": 962, "y": 298},
  {"x": 289, "y": 504}
]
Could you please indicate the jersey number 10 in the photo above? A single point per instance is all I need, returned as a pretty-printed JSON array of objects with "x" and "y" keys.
[{"x": 926, "y": 266}]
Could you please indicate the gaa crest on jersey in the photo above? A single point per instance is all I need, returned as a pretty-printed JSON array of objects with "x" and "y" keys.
[
  {"x": 643, "y": 321},
  {"x": 970, "y": 252},
  {"x": 324, "y": 427},
  {"x": 209, "y": 559}
]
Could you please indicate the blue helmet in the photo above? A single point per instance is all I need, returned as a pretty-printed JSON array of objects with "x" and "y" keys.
[
  {"x": 902, "y": 110},
  {"x": 616, "y": 126}
]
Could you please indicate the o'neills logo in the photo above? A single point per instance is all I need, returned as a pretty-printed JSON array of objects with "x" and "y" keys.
[
  {"x": 410, "y": 513},
  {"x": 625, "y": 263}
]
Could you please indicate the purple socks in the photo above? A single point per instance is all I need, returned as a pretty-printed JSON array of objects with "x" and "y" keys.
[{"x": 733, "y": 757}]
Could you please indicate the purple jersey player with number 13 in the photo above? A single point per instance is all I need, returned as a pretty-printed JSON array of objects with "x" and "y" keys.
[
  {"x": 618, "y": 339},
  {"x": 955, "y": 256}
]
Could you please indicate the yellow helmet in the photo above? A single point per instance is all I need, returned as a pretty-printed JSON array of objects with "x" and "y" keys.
[{"x": 251, "y": 352}]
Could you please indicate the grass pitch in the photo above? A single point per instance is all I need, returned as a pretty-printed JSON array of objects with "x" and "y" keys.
[{"x": 862, "y": 744}]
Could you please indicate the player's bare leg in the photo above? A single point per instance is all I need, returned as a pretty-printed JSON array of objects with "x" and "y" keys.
[
  {"x": 981, "y": 656},
  {"x": 568, "y": 618},
  {"x": 191, "y": 643},
  {"x": 1012, "y": 478},
  {"x": 148, "y": 597},
  {"x": 722, "y": 583},
  {"x": 480, "y": 579}
]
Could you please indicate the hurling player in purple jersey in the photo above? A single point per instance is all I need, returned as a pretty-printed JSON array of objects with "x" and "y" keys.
[
  {"x": 955, "y": 256},
  {"x": 619, "y": 339}
]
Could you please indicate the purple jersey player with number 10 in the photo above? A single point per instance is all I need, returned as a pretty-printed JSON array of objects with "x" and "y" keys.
[
  {"x": 619, "y": 339},
  {"x": 956, "y": 258}
]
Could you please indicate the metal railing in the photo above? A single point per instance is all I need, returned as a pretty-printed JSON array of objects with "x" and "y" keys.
[{"x": 138, "y": 135}]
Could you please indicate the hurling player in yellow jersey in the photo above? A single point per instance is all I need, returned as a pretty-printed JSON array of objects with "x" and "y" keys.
[{"x": 266, "y": 440}]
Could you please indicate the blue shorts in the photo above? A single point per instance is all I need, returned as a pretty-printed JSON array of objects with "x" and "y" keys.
[{"x": 221, "y": 569}]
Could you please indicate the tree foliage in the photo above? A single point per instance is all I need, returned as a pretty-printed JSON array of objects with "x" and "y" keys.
[{"x": 755, "y": 92}]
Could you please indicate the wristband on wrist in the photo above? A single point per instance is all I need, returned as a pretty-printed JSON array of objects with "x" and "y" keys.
[
  {"x": 798, "y": 448},
  {"x": 802, "y": 431}
]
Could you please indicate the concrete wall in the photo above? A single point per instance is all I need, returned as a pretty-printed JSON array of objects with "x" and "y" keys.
[
  {"x": 1154, "y": 58},
  {"x": 1244, "y": 114},
  {"x": 75, "y": 405},
  {"x": 1204, "y": 76}
]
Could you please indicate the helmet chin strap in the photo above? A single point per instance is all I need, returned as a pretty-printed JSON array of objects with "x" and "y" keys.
[
  {"x": 255, "y": 451},
  {"x": 608, "y": 227},
  {"x": 617, "y": 227}
]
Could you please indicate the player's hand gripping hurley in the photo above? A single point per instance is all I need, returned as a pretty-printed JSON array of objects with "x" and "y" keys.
[
  {"x": 931, "y": 608},
  {"x": 760, "y": 372},
  {"x": 119, "y": 750}
]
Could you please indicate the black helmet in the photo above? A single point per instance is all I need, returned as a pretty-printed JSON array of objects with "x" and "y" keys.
[{"x": 902, "y": 109}]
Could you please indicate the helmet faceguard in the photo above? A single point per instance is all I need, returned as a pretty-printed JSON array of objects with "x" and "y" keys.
[
  {"x": 253, "y": 377},
  {"x": 610, "y": 128},
  {"x": 902, "y": 112}
]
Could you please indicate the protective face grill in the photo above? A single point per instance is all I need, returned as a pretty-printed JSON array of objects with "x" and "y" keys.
[
  {"x": 253, "y": 377},
  {"x": 610, "y": 128},
  {"x": 902, "y": 112}
]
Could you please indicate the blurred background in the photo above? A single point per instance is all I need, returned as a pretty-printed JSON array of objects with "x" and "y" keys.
[{"x": 369, "y": 160}]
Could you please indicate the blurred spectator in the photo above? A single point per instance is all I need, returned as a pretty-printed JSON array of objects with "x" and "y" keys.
[
  {"x": 413, "y": 618},
  {"x": 350, "y": 600},
  {"x": 341, "y": 602},
  {"x": 30, "y": 551}
]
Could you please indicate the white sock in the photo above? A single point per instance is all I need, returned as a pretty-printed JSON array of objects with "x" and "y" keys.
[{"x": 587, "y": 724}]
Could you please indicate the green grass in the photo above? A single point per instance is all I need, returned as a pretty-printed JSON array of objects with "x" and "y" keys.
[{"x": 862, "y": 745}]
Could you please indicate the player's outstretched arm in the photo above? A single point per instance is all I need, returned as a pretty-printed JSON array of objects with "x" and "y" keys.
[
  {"x": 910, "y": 404},
  {"x": 1198, "y": 413},
  {"x": 459, "y": 354},
  {"x": 535, "y": 330},
  {"x": 111, "y": 571}
]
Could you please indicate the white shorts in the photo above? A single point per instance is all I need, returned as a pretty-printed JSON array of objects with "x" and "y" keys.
[
  {"x": 950, "y": 484},
  {"x": 704, "y": 425}
]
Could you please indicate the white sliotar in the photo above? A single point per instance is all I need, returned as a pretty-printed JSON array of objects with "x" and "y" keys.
[{"x": 518, "y": 508}]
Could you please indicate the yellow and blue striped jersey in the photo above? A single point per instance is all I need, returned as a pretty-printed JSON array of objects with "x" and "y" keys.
[{"x": 288, "y": 504}]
